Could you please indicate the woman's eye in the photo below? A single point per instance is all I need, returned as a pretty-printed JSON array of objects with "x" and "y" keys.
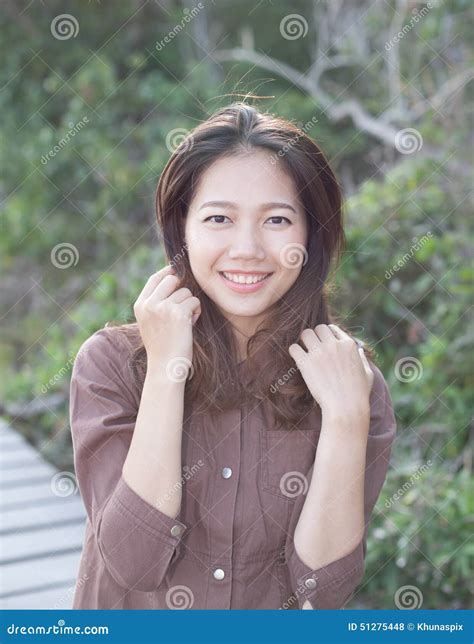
[
  {"x": 219, "y": 217},
  {"x": 281, "y": 218}
]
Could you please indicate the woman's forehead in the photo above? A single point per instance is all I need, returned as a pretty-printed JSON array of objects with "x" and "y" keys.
[{"x": 243, "y": 180}]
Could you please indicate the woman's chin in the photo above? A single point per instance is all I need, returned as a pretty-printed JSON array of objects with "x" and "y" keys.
[{"x": 240, "y": 310}]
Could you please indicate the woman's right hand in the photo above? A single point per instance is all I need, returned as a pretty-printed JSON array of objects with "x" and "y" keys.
[{"x": 165, "y": 316}]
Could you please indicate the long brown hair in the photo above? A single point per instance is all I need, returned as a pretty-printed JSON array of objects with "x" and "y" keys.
[{"x": 216, "y": 383}]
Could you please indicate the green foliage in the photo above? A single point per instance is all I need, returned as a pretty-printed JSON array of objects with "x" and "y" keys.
[
  {"x": 405, "y": 280},
  {"x": 423, "y": 539}
]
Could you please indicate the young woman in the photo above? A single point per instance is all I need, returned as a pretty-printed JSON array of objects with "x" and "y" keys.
[{"x": 231, "y": 444}]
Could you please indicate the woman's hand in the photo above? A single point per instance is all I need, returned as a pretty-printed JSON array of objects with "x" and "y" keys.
[
  {"x": 335, "y": 370},
  {"x": 165, "y": 316}
]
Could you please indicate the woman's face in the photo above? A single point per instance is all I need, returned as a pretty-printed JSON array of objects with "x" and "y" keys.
[{"x": 245, "y": 223}]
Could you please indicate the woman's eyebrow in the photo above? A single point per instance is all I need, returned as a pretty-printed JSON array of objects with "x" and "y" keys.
[{"x": 229, "y": 204}]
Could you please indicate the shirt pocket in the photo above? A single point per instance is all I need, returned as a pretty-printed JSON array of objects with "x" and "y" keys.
[{"x": 286, "y": 458}]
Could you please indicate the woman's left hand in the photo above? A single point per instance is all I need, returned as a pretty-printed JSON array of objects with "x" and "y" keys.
[{"x": 335, "y": 369}]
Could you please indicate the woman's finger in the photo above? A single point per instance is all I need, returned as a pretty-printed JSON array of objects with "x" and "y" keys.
[
  {"x": 297, "y": 353},
  {"x": 168, "y": 285},
  {"x": 153, "y": 282},
  {"x": 180, "y": 295},
  {"x": 309, "y": 339},
  {"x": 191, "y": 306},
  {"x": 338, "y": 332},
  {"x": 323, "y": 332}
]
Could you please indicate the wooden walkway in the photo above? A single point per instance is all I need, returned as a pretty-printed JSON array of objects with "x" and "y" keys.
[{"x": 41, "y": 528}]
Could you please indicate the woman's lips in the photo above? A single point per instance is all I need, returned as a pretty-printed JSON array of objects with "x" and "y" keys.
[{"x": 244, "y": 288}]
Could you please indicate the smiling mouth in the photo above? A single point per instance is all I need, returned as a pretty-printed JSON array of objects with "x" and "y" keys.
[{"x": 246, "y": 279}]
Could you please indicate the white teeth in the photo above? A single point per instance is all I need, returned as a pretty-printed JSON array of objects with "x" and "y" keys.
[{"x": 244, "y": 279}]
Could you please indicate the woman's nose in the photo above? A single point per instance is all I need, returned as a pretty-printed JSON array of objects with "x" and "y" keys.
[{"x": 246, "y": 245}]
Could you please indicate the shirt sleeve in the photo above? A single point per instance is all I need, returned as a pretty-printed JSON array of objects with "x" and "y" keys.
[
  {"x": 332, "y": 586},
  {"x": 136, "y": 541}
]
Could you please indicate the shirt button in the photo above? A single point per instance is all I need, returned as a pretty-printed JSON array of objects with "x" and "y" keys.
[
  {"x": 176, "y": 530},
  {"x": 311, "y": 583},
  {"x": 218, "y": 574},
  {"x": 226, "y": 472}
]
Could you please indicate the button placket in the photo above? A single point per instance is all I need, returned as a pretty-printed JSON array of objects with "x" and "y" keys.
[
  {"x": 218, "y": 574},
  {"x": 310, "y": 583},
  {"x": 176, "y": 530},
  {"x": 222, "y": 501}
]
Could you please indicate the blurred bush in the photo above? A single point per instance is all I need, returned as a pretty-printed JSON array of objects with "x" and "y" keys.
[{"x": 405, "y": 281}]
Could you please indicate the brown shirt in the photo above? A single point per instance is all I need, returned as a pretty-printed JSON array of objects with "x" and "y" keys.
[{"x": 243, "y": 488}]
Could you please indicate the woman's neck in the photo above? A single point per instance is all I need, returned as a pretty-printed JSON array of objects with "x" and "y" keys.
[{"x": 244, "y": 328}]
